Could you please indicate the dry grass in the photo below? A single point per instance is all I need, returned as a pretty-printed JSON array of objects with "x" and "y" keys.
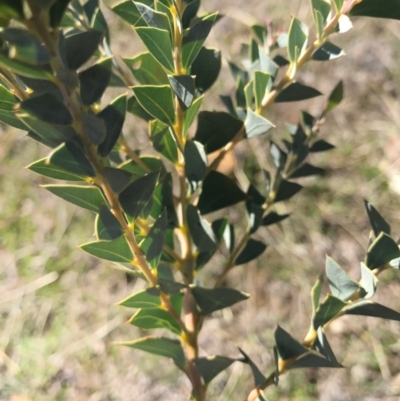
[{"x": 57, "y": 313}]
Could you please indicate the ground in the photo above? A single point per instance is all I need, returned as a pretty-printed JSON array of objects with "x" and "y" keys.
[{"x": 57, "y": 310}]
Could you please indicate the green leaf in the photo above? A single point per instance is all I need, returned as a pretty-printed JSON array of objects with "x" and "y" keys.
[
  {"x": 212, "y": 366},
  {"x": 47, "y": 108},
  {"x": 338, "y": 4},
  {"x": 328, "y": 51},
  {"x": 273, "y": 218},
  {"x": 286, "y": 190},
  {"x": 313, "y": 360},
  {"x": 206, "y": 68},
  {"x": 117, "y": 178},
  {"x": 127, "y": 11},
  {"x": 326, "y": 311},
  {"x": 158, "y": 43},
  {"x": 307, "y": 170},
  {"x": 262, "y": 84},
  {"x": 107, "y": 225},
  {"x": 211, "y": 300},
  {"x": 194, "y": 40},
  {"x": 157, "y": 101},
  {"x": 341, "y": 285},
  {"x": 152, "y": 18},
  {"x": 152, "y": 245},
  {"x": 215, "y": 129},
  {"x": 251, "y": 251},
  {"x": 316, "y": 293},
  {"x": 70, "y": 157},
  {"x": 184, "y": 88},
  {"x": 114, "y": 118},
  {"x": 134, "y": 198},
  {"x": 368, "y": 281},
  {"x": 381, "y": 9},
  {"x": 200, "y": 230},
  {"x": 335, "y": 97},
  {"x": 23, "y": 69},
  {"x": 7, "y": 113},
  {"x": 25, "y": 47},
  {"x": 322, "y": 346},
  {"x": 12, "y": 9},
  {"x": 191, "y": 114},
  {"x": 369, "y": 308},
  {"x": 160, "y": 346},
  {"x": 43, "y": 167},
  {"x": 163, "y": 140},
  {"x": 115, "y": 251},
  {"x": 94, "y": 81},
  {"x": 297, "y": 39},
  {"x": 196, "y": 165},
  {"x": 95, "y": 128},
  {"x": 90, "y": 8},
  {"x": 382, "y": 251},
  {"x": 142, "y": 299},
  {"x": 218, "y": 192},
  {"x": 148, "y": 319},
  {"x": 296, "y": 92},
  {"x": 256, "y": 125},
  {"x": 89, "y": 198},
  {"x": 287, "y": 346},
  {"x": 57, "y": 12},
  {"x": 321, "y": 146},
  {"x": 259, "y": 378},
  {"x": 81, "y": 46},
  {"x": 378, "y": 223},
  {"x": 147, "y": 70},
  {"x": 321, "y": 10}
]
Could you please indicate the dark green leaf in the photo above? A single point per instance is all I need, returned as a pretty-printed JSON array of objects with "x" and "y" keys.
[
  {"x": 184, "y": 88},
  {"x": 341, "y": 285},
  {"x": 321, "y": 146},
  {"x": 94, "y": 81},
  {"x": 90, "y": 8},
  {"x": 313, "y": 360},
  {"x": 46, "y": 169},
  {"x": 296, "y": 92},
  {"x": 211, "y": 300},
  {"x": 307, "y": 170},
  {"x": 328, "y": 51},
  {"x": 251, "y": 251},
  {"x": 191, "y": 114},
  {"x": 322, "y": 346},
  {"x": 147, "y": 70},
  {"x": 157, "y": 101},
  {"x": 297, "y": 39},
  {"x": 115, "y": 251},
  {"x": 148, "y": 319},
  {"x": 117, "y": 179},
  {"x": 57, "y": 12},
  {"x": 196, "y": 165},
  {"x": 279, "y": 157},
  {"x": 256, "y": 125},
  {"x": 158, "y": 43},
  {"x": 136, "y": 109},
  {"x": 107, "y": 225},
  {"x": 160, "y": 346},
  {"x": 259, "y": 378},
  {"x": 212, "y": 366},
  {"x": 127, "y": 11},
  {"x": 194, "y": 40},
  {"x": 273, "y": 218},
  {"x": 200, "y": 230},
  {"x": 95, "y": 128},
  {"x": 382, "y": 251},
  {"x": 255, "y": 213},
  {"x": 192, "y": 7},
  {"x": 84, "y": 196},
  {"x": 368, "y": 281},
  {"x": 378, "y": 223},
  {"x": 47, "y": 108},
  {"x": 142, "y": 299},
  {"x": 151, "y": 17},
  {"x": 153, "y": 243},
  {"x": 134, "y": 198},
  {"x": 287, "y": 346},
  {"x": 12, "y": 9},
  {"x": 206, "y": 68},
  {"x": 70, "y": 157},
  {"x": 114, "y": 117},
  {"x": 81, "y": 46},
  {"x": 25, "y": 47},
  {"x": 326, "y": 311},
  {"x": 218, "y": 192},
  {"x": 335, "y": 97},
  {"x": 286, "y": 190},
  {"x": 216, "y": 129},
  {"x": 40, "y": 86},
  {"x": 381, "y": 9},
  {"x": 163, "y": 140},
  {"x": 369, "y": 308}
]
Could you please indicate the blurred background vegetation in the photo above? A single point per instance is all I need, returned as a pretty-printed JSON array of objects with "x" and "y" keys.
[{"x": 57, "y": 304}]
